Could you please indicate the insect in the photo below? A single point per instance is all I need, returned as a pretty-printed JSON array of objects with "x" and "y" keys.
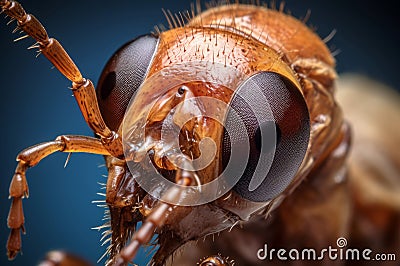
[{"x": 217, "y": 39}]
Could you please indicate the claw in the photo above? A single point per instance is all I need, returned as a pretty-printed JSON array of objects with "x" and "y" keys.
[{"x": 13, "y": 243}]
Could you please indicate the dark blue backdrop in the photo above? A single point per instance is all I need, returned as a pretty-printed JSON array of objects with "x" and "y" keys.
[{"x": 36, "y": 106}]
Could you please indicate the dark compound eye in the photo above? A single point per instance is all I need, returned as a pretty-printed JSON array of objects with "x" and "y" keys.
[
  {"x": 122, "y": 76},
  {"x": 278, "y": 135}
]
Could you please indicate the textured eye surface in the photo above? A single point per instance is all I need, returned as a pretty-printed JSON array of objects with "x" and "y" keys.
[
  {"x": 278, "y": 135},
  {"x": 122, "y": 76}
]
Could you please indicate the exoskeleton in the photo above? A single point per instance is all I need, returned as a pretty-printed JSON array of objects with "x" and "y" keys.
[{"x": 226, "y": 124}]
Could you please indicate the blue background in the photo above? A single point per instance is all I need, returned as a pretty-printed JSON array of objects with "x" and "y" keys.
[{"x": 36, "y": 106}]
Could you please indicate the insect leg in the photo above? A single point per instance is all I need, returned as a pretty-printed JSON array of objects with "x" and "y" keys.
[
  {"x": 155, "y": 219},
  {"x": 19, "y": 187},
  {"x": 83, "y": 89}
]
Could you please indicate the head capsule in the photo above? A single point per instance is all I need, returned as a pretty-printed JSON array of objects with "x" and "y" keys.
[
  {"x": 242, "y": 127},
  {"x": 246, "y": 133},
  {"x": 243, "y": 132}
]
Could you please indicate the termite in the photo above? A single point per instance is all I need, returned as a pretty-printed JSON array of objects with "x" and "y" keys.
[{"x": 229, "y": 117}]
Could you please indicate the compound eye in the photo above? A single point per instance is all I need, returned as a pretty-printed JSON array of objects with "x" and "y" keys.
[
  {"x": 277, "y": 121},
  {"x": 122, "y": 76}
]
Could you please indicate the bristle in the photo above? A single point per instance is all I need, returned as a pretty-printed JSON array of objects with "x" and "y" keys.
[
  {"x": 210, "y": 4},
  {"x": 330, "y": 36},
  {"x": 103, "y": 256},
  {"x": 282, "y": 6},
  {"x": 106, "y": 217},
  {"x": 100, "y": 227},
  {"x": 158, "y": 30},
  {"x": 180, "y": 19},
  {"x": 307, "y": 16},
  {"x": 34, "y": 46},
  {"x": 172, "y": 19},
  {"x": 10, "y": 21},
  {"x": 98, "y": 201},
  {"x": 198, "y": 6},
  {"x": 67, "y": 160},
  {"x": 273, "y": 4},
  {"x": 162, "y": 27},
  {"x": 168, "y": 19},
  {"x": 108, "y": 240},
  {"x": 21, "y": 38},
  {"x": 192, "y": 10},
  {"x": 233, "y": 225},
  {"x": 105, "y": 234},
  {"x": 187, "y": 16},
  {"x": 16, "y": 29},
  {"x": 336, "y": 52}
]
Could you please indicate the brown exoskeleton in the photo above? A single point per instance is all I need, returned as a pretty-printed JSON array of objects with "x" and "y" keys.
[{"x": 246, "y": 58}]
